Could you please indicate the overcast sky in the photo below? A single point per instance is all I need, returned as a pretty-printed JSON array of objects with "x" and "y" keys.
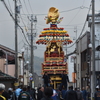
[{"x": 73, "y": 11}]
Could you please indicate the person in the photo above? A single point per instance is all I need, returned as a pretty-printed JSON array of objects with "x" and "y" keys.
[
  {"x": 55, "y": 95},
  {"x": 31, "y": 92},
  {"x": 58, "y": 93},
  {"x": 63, "y": 92},
  {"x": 71, "y": 94},
  {"x": 5, "y": 94},
  {"x": 79, "y": 94},
  {"x": 14, "y": 94},
  {"x": 48, "y": 92},
  {"x": 24, "y": 95},
  {"x": 97, "y": 94},
  {"x": 17, "y": 91},
  {"x": 46, "y": 79},
  {"x": 65, "y": 79},
  {"x": 88, "y": 92},
  {"x": 69, "y": 88},
  {"x": 84, "y": 93},
  {"x": 2, "y": 87},
  {"x": 34, "y": 94},
  {"x": 40, "y": 94},
  {"x": 10, "y": 93}
]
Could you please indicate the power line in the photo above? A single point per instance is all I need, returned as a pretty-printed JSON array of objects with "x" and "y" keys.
[
  {"x": 10, "y": 6},
  {"x": 82, "y": 28},
  {"x": 30, "y": 6},
  {"x": 74, "y": 17},
  {"x": 14, "y": 20},
  {"x": 80, "y": 7},
  {"x": 26, "y": 6}
]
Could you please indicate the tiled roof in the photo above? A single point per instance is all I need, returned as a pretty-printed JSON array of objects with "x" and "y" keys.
[{"x": 4, "y": 76}]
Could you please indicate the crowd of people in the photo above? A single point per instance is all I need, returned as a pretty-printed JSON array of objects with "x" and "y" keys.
[{"x": 47, "y": 92}]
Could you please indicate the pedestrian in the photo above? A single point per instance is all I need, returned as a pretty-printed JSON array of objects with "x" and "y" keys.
[
  {"x": 2, "y": 87},
  {"x": 84, "y": 93},
  {"x": 40, "y": 94},
  {"x": 14, "y": 94},
  {"x": 65, "y": 79},
  {"x": 46, "y": 79},
  {"x": 5, "y": 94},
  {"x": 34, "y": 94},
  {"x": 10, "y": 93},
  {"x": 79, "y": 94},
  {"x": 69, "y": 88},
  {"x": 17, "y": 91},
  {"x": 55, "y": 95},
  {"x": 71, "y": 94},
  {"x": 97, "y": 94},
  {"x": 31, "y": 92},
  {"x": 48, "y": 92},
  {"x": 88, "y": 92},
  {"x": 24, "y": 95},
  {"x": 58, "y": 93},
  {"x": 63, "y": 92}
]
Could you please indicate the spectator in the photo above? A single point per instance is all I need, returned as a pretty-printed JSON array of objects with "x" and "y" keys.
[
  {"x": 65, "y": 79},
  {"x": 84, "y": 93},
  {"x": 24, "y": 95},
  {"x": 34, "y": 95},
  {"x": 55, "y": 95},
  {"x": 79, "y": 94},
  {"x": 58, "y": 94},
  {"x": 10, "y": 93},
  {"x": 63, "y": 92},
  {"x": 40, "y": 94},
  {"x": 46, "y": 79},
  {"x": 48, "y": 92},
  {"x": 71, "y": 94},
  {"x": 2, "y": 87},
  {"x": 5, "y": 94},
  {"x": 88, "y": 92},
  {"x": 30, "y": 91},
  {"x": 17, "y": 91},
  {"x": 97, "y": 94},
  {"x": 69, "y": 88}
]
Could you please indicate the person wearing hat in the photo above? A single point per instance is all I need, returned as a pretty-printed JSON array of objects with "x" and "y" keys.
[
  {"x": 2, "y": 87},
  {"x": 10, "y": 93}
]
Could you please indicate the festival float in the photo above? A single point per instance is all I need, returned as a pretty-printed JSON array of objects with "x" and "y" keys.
[{"x": 54, "y": 38}]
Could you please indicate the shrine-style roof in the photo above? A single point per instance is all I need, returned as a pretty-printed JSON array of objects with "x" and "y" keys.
[{"x": 4, "y": 76}]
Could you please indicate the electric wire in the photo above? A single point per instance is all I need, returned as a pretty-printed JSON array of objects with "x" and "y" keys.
[
  {"x": 82, "y": 28},
  {"x": 82, "y": 7},
  {"x": 26, "y": 6},
  {"x": 74, "y": 16},
  {"x": 30, "y": 6},
  {"x": 14, "y": 21},
  {"x": 21, "y": 5},
  {"x": 10, "y": 6}
]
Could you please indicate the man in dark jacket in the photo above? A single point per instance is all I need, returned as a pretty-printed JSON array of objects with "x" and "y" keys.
[
  {"x": 79, "y": 94},
  {"x": 97, "y": 94},
  {"x": 46, "y": 79},
  {"x": 65, "y": 79},
  {"x": 71, "y": 94},
  {"x": 40, "y": 94},
  {"x": 24, "y": 95},
  {"x": 31, "y": 92}
]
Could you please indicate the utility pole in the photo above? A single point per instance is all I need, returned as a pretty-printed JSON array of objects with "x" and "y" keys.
[
  {"x": 32, "y": 69},
  {"x": 32, "y": 34},
  {"x": 16, "y": 48},
  {"x": 93, "y": 46}
]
